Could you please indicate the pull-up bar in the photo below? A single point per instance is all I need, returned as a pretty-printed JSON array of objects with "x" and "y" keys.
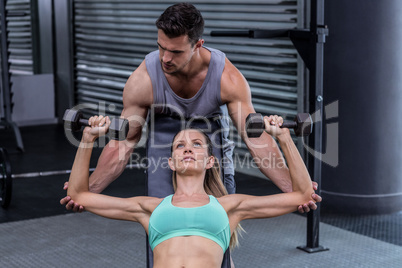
[{"x": 252, "y": 33}]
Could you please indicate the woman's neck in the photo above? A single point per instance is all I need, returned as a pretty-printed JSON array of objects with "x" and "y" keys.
[{"x": 189, "y": 185}]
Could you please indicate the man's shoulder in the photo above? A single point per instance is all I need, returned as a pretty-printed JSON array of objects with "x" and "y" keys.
[
  {"x": 214, "y": 50},
  {"x": 231, "y": 75},
  {"x": 234, "y": 85},
  {"x": 152, "y": 54},
  {"x": 139, "y": 84}
]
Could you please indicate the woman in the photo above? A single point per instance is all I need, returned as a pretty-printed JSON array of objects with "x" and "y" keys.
[{"x": 191, "y": 228}]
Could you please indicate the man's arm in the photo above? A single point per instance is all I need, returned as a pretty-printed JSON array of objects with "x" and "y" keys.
[
  {"x": 137, "y": 98},
  {"x": 237, "y": 95},
  {"x": 235, "y": 92}
]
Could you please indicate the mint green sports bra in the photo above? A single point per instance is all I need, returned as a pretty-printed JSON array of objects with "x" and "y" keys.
[{"x": 210, "y": 221}]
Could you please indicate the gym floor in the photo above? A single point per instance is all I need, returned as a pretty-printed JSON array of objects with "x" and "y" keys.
[{"x": 47, "y": 149}]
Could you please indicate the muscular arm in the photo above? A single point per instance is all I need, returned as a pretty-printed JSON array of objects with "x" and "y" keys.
[
  {"x": 78, "y": 190},
  {"x": 242, "y": 207},
  {"x": 133, "y": 209},
  {"x": 137, "y": 98},
  {"x": 236, "y": 93}
]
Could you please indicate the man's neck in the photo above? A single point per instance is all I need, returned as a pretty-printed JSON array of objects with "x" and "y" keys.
[{"x": 193, "y": 68}]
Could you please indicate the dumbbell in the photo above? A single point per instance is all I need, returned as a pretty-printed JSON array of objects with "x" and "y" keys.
[
  {"x": 302, "y": 125},
  {"x": 74, "y": 121}
]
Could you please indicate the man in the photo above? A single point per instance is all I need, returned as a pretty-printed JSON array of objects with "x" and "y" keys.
[{"x": 177, "y": 86}]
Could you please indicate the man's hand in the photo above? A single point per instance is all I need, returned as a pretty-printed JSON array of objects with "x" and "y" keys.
[
  {"x": 310, "y": 205},
  {"x": 70, "y": 204}
]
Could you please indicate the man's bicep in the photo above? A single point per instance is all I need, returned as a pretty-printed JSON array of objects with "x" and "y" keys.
[
  {"x": 137, "y": 99},
  {"x": 236, "y": 93},
  {"x": 137, "y": 118}
]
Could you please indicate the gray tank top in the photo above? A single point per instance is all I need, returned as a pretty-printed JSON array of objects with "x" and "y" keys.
[{"x": 206, "y": 103}]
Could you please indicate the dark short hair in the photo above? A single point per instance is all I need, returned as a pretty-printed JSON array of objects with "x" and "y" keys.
[{"x": 182, "y": 19}]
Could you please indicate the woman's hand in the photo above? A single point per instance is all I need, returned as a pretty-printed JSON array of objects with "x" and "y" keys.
[
  {"x": 98, "y": 126},
  {"x": 273, "y": 124}
]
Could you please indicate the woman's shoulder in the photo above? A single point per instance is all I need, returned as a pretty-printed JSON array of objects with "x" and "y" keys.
[
  {"x": 230, "y": 201},
  {"x": 148, "y": 203}
]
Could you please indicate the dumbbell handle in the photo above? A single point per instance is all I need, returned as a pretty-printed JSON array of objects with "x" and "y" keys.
[
  {"x": 83, "y": 122},
  {"x": 302, "y": 125},
  {"x": 289, "y": 124}
]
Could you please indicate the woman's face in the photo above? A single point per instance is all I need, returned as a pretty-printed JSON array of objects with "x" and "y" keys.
[{"x": 190, "y": 152}]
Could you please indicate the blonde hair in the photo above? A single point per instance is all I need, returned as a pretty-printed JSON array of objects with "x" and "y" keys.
[{"x": 213, "y": 185}]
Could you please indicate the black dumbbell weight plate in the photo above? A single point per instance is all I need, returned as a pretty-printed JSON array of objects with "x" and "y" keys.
[{"x": 5, "y": 179}]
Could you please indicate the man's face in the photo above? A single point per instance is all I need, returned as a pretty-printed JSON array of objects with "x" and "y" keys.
[{"x": 174, "y": 53}]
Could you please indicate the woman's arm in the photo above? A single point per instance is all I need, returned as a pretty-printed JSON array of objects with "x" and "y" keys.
[
  {"x": 133, "y": 209},
  {"x": 245, "y": 207}
]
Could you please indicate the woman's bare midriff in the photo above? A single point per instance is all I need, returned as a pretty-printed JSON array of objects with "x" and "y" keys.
[{"x": 186, "y": 252}]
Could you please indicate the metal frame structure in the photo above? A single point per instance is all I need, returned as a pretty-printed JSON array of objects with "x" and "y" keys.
[{"x": 6, "y": 119}]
